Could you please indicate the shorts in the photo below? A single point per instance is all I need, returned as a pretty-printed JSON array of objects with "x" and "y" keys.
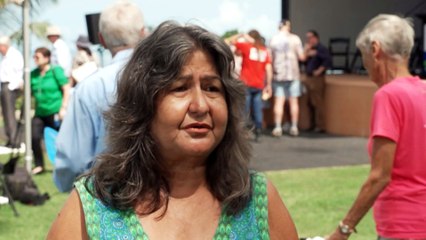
[{"x": 291, "y": 88}]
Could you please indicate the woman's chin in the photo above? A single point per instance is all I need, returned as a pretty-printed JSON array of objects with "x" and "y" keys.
[{"x": 199, "y": 150}]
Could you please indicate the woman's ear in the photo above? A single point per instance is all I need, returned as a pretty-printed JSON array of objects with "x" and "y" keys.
[
  {"x": 142, "y": 33},
  {"x": 376, "y": 50}
]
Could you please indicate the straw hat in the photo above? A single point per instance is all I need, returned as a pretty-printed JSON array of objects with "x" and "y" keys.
[
  {"x": 4, "y": 40},
  {"x": 53, "y": 31}
]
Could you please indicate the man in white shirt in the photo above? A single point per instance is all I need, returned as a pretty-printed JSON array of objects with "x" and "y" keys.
[
  {"x": 61, "y": 55},
  {"x": 11, "y": 78},
  {"x": 287, "y": 51}
]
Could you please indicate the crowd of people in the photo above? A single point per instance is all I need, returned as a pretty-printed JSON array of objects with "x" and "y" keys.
[
  {"x": 50, "y": 83},
  {"x": 156, "y": 145},
  {"x": 274, "y": 70}
]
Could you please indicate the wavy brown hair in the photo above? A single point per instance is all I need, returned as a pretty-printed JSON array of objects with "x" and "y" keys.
[
  {"x": 130, "y": 171},
  {"x": 44, "y": 51},
  {"x": 259, "y": 41}
]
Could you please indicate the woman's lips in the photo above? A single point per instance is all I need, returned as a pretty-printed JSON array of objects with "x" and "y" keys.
[{"x": 197, "y": 128}]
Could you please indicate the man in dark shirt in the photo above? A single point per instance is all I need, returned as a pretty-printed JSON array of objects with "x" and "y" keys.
[{"x": 317, "y": 61}]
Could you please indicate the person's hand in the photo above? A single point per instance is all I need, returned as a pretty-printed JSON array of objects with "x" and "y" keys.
[
  {"x": 248, "y": 38},
  {"x": 62, "y": 113},
  {"x": 311, "y": 52},
  {"x": 307, "y": 47},
  {"x": 336, "y": 235},
  {"x": 317, "y": 72},
  {"x": 267, "y": 92}
]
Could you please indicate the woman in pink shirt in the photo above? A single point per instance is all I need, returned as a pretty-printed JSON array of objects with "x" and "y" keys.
[{"x": 396, "y": 185}]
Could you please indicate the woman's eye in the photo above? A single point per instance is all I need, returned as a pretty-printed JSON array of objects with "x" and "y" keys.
[
  {"x": 179, "y": 89},
  {"x": 213, "y": 89}
]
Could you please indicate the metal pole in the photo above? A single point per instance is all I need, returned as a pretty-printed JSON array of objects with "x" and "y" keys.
[{"x": 27, "y": 85}]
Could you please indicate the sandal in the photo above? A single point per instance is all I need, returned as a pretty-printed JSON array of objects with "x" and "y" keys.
[{"x": 37, "y": 170}]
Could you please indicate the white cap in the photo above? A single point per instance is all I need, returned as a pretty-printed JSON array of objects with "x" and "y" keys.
[
  {"x": 4, "y": 40},
  {"x": 53, "y": 31}
]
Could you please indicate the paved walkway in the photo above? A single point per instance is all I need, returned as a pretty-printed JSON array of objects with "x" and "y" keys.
[{"x": 307, "y": 151}]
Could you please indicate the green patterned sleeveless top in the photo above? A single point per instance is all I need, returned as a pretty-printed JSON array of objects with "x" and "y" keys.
[{"x": 103, "y": 222}]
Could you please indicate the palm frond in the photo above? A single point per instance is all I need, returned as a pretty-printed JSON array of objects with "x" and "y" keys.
[
  {"x": 11, "y": 18},
  {"x": 38, "y": 29}
]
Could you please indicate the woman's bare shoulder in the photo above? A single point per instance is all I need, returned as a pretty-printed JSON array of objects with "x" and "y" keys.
[
  {"x": 69, "y": 224},
  {"x": 281, "y": 225}
]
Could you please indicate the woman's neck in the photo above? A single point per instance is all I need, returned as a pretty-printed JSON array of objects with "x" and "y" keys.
[
  {"x": 186, "y": 179},
  {"x": 395, "y": 69},
  {"x": 44, "y": 68}
]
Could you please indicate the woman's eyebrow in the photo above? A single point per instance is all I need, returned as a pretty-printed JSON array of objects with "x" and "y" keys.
[{"x": 209, "y": 77}]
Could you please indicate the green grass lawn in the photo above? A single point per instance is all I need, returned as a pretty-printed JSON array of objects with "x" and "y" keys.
[
  {"x": 34, "y": 221},
  {"x": 319, "y": 198},
  {"x": 316, "y": 198}
]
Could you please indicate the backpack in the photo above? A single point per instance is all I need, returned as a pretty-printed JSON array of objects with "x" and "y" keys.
[{"x": 22, "y": 188}]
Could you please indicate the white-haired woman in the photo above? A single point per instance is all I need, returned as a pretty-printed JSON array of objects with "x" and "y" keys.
[{"x": 396, "y": 185}]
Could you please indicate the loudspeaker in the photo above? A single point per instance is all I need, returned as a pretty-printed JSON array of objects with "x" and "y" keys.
[{"x": 92, "y": 22}]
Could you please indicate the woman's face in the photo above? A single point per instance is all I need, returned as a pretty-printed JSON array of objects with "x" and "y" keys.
[
  {"x": 371, "y": 66},
  {"x": 40, "y": 60},
  {"x": 192, "y": 114}
]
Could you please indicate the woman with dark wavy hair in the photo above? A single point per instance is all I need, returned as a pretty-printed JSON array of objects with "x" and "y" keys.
[{"x": 176, "y": 166}]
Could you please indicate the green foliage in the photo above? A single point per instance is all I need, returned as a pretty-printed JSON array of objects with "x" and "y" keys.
[
  {"x": 11, "y": 18},
  {"x": 37, "y": 28},
  {"x": 229, "y": 33}
]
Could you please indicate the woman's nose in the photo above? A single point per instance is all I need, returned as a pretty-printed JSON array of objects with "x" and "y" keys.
[{"x": 198, "y": 103}]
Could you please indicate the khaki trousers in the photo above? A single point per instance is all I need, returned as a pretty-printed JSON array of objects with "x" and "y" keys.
[{"x": 316, "y": 91}]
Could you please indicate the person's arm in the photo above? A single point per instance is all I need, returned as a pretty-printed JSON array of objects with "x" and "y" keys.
[
  {"x": 319, "y": 71},
  {"x": 232, "y": 40},
  {"x": 301, "y": 56},
  {"x": 269, "y": 74},
  {"x": 281, "y": 226},
  {"x": 325, "y": 57},
  {"x": 70, "y": 223},
  {"x": 63, "y": 83},
  {"x": 76, "y": 141},
  {"x": 379, "y": 177},
  {"x": 65, "y": 98},
  {"x": 309, "y": 51}
]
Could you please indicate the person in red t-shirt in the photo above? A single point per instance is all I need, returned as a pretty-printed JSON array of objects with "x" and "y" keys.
[{"x": 256, "y": 64}]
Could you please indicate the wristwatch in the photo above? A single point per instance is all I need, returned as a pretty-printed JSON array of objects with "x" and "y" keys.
[{"x": 345, "y": 229}]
